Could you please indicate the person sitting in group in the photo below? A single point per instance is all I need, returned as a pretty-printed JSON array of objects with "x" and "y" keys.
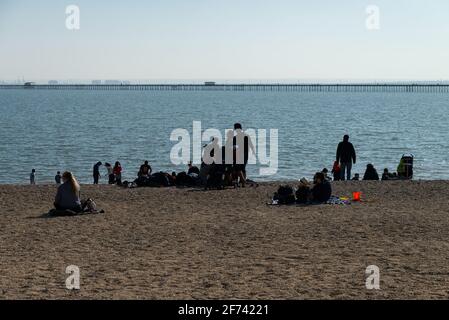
[
  {"x": 356, "y": 177},
  {"x": 68, "y": 195},
  {"x": 193, "y": 169},
  {"x": 118, "y": 173},
  {"x": 386, "y": 175},
  {"x": 58, "y": 178},
  {"x": 336, "y": 171},
  {"x": 145, "y": 170},
  {"x": 326, "y": 172},
  {"x": 371, "y": 173},
  {"x": 174, "y": 177},
  {"x": 320, "y": 192}
]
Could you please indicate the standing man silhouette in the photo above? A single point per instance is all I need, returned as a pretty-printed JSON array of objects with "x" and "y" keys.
[{"x": 346, "y": 157}]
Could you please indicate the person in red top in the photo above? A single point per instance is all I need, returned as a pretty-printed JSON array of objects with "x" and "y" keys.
[
  {"x": 336, "y": 171},
  {"x": 118, "y": 173}
]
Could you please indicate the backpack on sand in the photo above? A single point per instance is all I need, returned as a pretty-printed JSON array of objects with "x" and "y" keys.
[{"x": 90, "y": 206}]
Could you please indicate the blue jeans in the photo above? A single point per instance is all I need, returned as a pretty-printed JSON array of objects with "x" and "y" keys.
[{"x": 345, "y": 166}]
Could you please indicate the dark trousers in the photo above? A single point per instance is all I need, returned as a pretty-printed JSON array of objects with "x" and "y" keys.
[
  {"x": 345, "y": 167},
  {"x": 96, "y": 178}
]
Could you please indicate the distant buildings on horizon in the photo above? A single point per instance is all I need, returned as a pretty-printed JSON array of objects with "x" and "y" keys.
[{"x": 212, "y": 83}]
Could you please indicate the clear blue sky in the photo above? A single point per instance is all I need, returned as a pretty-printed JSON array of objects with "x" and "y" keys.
[{"x": 232, "y": 39}]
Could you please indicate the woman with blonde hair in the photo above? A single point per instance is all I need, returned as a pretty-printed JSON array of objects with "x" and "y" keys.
[{"x": 68, "y": 195}]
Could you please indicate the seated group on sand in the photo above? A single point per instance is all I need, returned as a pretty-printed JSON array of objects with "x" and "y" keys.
[
  {"x": 221, "y": 166},
  {"x": 320, "y": 191}
]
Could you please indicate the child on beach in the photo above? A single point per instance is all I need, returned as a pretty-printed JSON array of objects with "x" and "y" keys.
[
  {"x": 58, "y": 177},
  {"x": 118, "y": 173},
  {"x": 336, "y": 171},
  {"x": 33, "y": 177}
]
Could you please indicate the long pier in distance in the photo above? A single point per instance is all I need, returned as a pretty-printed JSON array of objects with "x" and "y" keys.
[{"x": 212, "y": 86}]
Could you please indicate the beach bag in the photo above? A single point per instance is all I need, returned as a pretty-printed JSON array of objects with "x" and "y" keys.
[
  {"x": 159, "y": 179},
  {"x": 285, "y": 195},
  {"x": 90, "y": 206}
]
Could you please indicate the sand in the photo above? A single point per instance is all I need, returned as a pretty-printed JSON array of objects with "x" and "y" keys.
[{"x": 189, "y": 244}]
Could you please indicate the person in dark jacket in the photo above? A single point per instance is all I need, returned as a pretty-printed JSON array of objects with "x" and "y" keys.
[
  {"x": 193, "y": 169},
  {"x": 371, "y": 173},
  {"x": 322, "y": 190},
  {"x": 346, "y": 157},
  {"x": 96, "y": 171}
]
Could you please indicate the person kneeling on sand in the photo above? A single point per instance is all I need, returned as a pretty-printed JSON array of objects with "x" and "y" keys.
[{"x": 68, "y": 195}]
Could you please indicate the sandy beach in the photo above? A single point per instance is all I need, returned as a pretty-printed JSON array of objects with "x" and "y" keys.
[{"x": 191, "y": 244}]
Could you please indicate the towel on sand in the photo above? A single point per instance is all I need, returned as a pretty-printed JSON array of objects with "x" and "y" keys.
[{"x": 334, "y": 200}]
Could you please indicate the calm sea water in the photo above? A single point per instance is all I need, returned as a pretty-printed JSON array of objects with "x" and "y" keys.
[{"x": 71, "y": 130}]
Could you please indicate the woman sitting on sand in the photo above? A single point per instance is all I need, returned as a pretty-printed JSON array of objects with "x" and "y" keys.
[{"x": 68, "y": 195}]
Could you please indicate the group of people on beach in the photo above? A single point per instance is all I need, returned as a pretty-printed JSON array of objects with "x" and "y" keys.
[
  {"x": 320, "y": 190},
  {"x": 216, "y": 169},
  {"x": 227, "y": 167},
  {"x": 114, "y": 172},
  {"x": 220, "y": 166},
  {"x": 346, "y": 158}
]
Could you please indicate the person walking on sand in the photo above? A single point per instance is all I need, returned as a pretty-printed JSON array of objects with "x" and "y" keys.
[
  {"x": 58, "y": 178},
  {"x": 346, "y": 157},
  {"x": 33, "y": 177},
  {"x": 96, "y": 172}
]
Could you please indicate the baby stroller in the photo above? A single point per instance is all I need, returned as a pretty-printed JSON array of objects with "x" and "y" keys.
[{"x": 405, "y": 168}]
